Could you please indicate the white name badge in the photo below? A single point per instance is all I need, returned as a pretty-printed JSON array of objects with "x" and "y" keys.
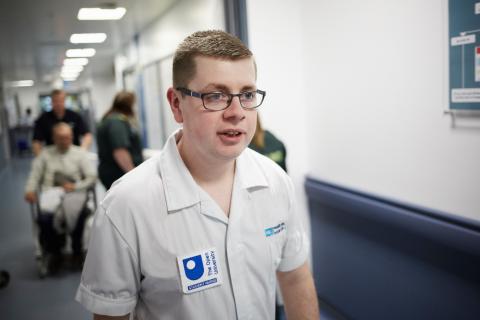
[{"x": 199, "y": 270}]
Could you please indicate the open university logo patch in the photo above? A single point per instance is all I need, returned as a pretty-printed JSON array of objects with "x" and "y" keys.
[
  {"x": 199, "y": 270},
  {"x": 193, "y": 267}
]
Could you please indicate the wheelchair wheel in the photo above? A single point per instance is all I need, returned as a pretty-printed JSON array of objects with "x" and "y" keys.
[{"x": 4, "y": 279}]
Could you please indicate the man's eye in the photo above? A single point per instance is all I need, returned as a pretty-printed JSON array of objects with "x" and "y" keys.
[
  {"x": 214, "y": 97},
  {"x": 248, "y": 95}
]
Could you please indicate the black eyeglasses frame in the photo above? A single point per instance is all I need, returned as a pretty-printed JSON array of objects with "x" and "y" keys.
[{"x": 199, "y": 95}]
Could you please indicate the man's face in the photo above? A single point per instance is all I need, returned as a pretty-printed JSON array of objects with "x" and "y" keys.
[
  {"x": 62, "y": 137},
  {"x": 58, "y": 103},
  {"x": 207, "y": 135}
]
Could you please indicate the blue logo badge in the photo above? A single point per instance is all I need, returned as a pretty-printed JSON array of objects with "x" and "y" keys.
[
  {"x": 275, "y": 230},
  {"x": 193, "y": 267},
  {"x": 199, "y": 270}
]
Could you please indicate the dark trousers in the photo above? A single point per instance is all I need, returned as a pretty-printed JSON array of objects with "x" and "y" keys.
[{"x": 52, "y": 241}]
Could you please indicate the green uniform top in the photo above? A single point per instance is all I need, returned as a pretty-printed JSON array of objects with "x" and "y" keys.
[
  {"x": 115, "y": 132},
  {"x": 274, "y": 149}
]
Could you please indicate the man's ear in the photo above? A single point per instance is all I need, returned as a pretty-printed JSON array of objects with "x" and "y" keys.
[{"x": 174, "y": 100}]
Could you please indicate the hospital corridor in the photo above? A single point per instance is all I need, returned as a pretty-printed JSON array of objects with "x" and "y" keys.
[
  {"x": 240, "y": 159},
  {"x": 29, "y": 296}
]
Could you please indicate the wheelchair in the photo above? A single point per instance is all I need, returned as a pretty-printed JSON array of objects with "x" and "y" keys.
[{"x": 58, "y": 240}]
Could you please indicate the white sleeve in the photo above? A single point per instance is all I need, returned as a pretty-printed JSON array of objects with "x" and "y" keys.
[
  {"x": 111, "y": 274},
  {"x": 296, "y": 248}
]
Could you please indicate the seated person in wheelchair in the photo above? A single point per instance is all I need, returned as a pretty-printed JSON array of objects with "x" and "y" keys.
[{"x": 58, "y": 184}]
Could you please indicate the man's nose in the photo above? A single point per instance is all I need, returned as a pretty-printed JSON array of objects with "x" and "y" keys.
[{"x": 235, "y": 109}]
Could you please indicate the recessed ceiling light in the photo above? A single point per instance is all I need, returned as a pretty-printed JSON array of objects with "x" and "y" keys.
[
  {"x": 65, "y": 73},
  {"x": 75, "y": 62},
  {"x": 22, "y": 83},
  {"x": 80, "y": 53},
  {"x": 69, "y": 75},
  {"x": 88, "y": 37},
  {"x": 72, "y": 68},
  {"x": 101, "y": 13}
]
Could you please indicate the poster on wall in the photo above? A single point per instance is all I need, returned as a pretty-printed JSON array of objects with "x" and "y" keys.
[{"x": 464, "y": 53}]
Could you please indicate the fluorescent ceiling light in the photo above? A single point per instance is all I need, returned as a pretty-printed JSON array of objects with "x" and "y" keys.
[
  {"x": 72, "y": 68},
  {"x": 65, "y": 74},
  {"x": 75, "y": 62},
  {"x": 100, "y": 13},
  {"x": 80, "y": 53},
  {"x": 69, "y": 74},
  {"x": 88, "y": 37},
  {"x": 22, "y": 83}
]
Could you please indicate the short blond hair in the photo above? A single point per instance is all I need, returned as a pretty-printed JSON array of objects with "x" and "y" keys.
[{"x": 210, "y": 43}]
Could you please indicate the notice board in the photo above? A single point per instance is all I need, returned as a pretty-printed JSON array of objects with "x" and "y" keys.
[{"x": 464, "y": 54}]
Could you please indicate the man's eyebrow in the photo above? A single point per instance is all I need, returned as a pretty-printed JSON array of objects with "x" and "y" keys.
[
  {"x": 220, "y": 87},
  {"x": 248, "y": 88},
  {"x": 214, "y": 87}
]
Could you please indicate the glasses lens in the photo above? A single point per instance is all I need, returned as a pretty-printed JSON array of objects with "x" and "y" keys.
[
  {"x": 249, "y": 99},
  {"x": 215, "y": 101}
]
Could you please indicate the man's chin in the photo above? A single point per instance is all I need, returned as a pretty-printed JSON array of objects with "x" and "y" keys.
[{"x": 232, "y": 153}]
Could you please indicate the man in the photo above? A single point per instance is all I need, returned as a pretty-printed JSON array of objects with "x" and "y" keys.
[
  {"x": 60, "y": 172},
  {"x": 200, "y": 230},
  {"x": 42, "y": 132}
]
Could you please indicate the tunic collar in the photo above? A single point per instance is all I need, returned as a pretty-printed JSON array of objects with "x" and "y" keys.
[{"x": 181, "y": 190}]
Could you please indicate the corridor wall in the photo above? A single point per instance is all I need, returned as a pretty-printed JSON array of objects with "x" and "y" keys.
[{"x": 358, "y": 90}]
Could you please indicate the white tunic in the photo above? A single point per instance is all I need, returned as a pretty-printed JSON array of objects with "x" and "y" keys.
[{"x": 157, "y": 213}]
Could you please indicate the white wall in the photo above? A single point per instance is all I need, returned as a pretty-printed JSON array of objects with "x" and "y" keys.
[
  {"x": 276, "y": 42},
  {"x": 375, "y": 77},
  {"x": 27, "y": 98},
  {"x": 103, "y": 90}
]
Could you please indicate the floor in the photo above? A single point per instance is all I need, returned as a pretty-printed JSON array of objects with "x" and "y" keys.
[{"x": 27, "y": 296}]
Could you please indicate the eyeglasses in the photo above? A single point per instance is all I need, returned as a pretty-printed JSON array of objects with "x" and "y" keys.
[{"x": 217, "y": 101}]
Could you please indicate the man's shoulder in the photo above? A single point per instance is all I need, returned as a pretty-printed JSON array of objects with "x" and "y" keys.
[
  {"x": 78, "y": 151},
  {"x": 50, "y": 148},
  {"x": 76, "y": 148},
  {"x": 138, "y": 189},
  {"x": 261, "y": 170},
  {"x": 274, "y": 175},
  {"x": 43, "y": 117},
  {"x": 136, "y": 181},
  {"x": 48, "y": 151},
  {"x": 72, "y": 115},
  {"x": 71, "y": 112}
]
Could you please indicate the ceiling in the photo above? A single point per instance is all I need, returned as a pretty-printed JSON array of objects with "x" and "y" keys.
[{"x": 34, "y": 34}]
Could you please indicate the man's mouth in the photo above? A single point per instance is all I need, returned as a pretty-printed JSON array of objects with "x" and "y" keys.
[{"x": 231, "y": 133}]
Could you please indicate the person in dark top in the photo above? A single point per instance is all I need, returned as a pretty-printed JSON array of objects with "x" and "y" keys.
[
  {"x": 118, "y": 141},
  {"x": 42, "y": 132},
  {"x": 266, "y": 143}
]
